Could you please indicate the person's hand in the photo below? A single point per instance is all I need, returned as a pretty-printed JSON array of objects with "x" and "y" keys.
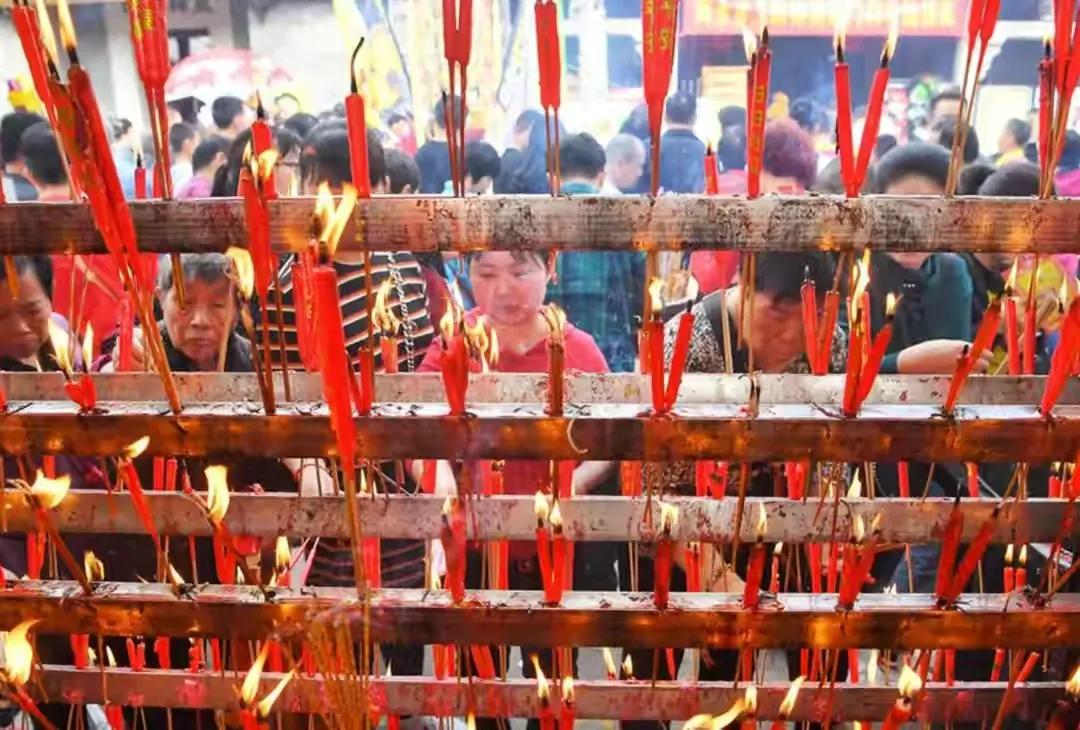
[{"x": 937, "y": 357}]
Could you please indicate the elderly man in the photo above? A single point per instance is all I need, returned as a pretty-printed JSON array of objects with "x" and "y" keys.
[{"x": 625, "y": 163}]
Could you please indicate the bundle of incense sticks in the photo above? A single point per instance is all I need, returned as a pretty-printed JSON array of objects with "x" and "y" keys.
[
  {"x": 658, "y": 25},
  {"x": 457, "y": 48},
  {"x": 549, "y": 54},
  {"x": 982, "y": 18},
  {"x": 148, "y": 23},
  {"x": 82, "y": 136}
]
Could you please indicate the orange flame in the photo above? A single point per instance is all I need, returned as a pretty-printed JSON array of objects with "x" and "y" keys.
[
  {"x": 543, "y": 688},
  {"x": 61, "y": 345},
  {"x": 18, "y": 654},
  {"x": 110, "y": 658},
  {"x": 628, "y": 667},
  {"x": 50, "y": 492},
  {"x": 448, "y": 323},
  {"x": 669, "y": 517},
  {"x": 555, "y": 318},
  {"x": 749, "y": 43},
  {"x": 656, "y": 300},
  {"x": 335, "y": 226},
  {"x": 67, "y": 27},
  {"x": 250, "y": 687},
  {"x": 282, "y": 555},
  {"x": 267, "y": 703},
  {"x": 1023, "y": 556},
  {"x": 264, "y": 165},
  {"x": 244, "y": 269},
  {"x": 540, "y": 506},
  {"x": 88, "y": 346},
  {"x": 889, "y": 51},
  {"x": 1010, "y": 282},
  {"x": 788, "y": 704},
  {"x": 721, "y": 721},
  {"x": 567, "y": 689},
  {"x": 135, "y": 449},
  {"x": 609, "y": 663},
  {"x": 217, "y": 493},
  {"x": 750, "y": 699},
  {"x": 890, "y": 305},
  {"x": 762, "y": 521},
  {"x": 909, "y": 684},
  {"x": 92, "y": 565},
  {"x": 855, "y": 489},
  {"x": 556, "y": 517},
  {"x": 1073, "y": 685},
  {"x": 48, "y": 35},
  {"x": 382, "y": 316}
]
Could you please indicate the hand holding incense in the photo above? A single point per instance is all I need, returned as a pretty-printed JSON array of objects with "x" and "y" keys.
[{"x": 669, "y": 516}]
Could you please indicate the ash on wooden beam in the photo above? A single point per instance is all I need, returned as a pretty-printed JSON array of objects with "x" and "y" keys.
[
  {"x": 784, "y": 432},
  {"x": 587, "y": 519},
  {"x": 672, "y": 222},
  {"x": 593, "y": 700},
  {"x": 717, "y": 620},
  {"x": 697, "y": 388}
]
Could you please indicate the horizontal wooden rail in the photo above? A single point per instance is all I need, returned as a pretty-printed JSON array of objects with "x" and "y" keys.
[
  {"x": 783, "y": 432},
  {"x": 807, "y": 222},
  {"x": 697, "y": 388},
  {"x": 593, "y": 700},
  {"x": 585, "y": 518},
  {"x": 718, "y": 620}
]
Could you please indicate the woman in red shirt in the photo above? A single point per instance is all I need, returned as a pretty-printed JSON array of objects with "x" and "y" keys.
[{"x": 509, "y": 288}]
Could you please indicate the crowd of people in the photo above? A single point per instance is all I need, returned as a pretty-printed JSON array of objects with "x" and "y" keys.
[{"x": 942, "y": 295}]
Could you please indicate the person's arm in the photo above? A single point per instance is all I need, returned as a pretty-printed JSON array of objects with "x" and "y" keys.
[{"x": 590, "y": 474}]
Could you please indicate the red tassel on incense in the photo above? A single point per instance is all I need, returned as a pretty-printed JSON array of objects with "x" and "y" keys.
[
  {"x": 356, "y": 123},
  {"x": 842, "y": 83},
  {"x": 678, "y": 358},
  {"x": 669, "y": 515},
  {"x": 970, "y": 560}
]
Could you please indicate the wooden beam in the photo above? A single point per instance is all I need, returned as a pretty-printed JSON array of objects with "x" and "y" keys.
[
  {"x": 593, "y": 700},
  {"x": 672, "y": 222},
  {"x": 784, "y": 432},
  {"x": 789, "y": 620},
  {"x": 586, "y": 519},
  {"x": 697, "y": 388}
]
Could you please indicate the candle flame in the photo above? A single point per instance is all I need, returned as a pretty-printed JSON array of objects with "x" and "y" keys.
[
  {"x": 1010, "y": 282},
  {"x": 1009, "y": 554},
  {"x": 48, "y": 35},
  {"x": 750, "y": 700},
  {"x": 61, "y": 345},
  {"x": 609, "y": 663},
  {"x": 470, "y": 721},
  {"x": 324, "y": 207},
  {"x": 448, "y": 323},
  {"x": 841, "y": 20},
  {"x": 861, "y": 273},
  {"x": 18, "y": 654},
  {"x": 478, "y": 336},
  {"x": 88, "y": 346},
  {"x": 875, "y": 524},
  {"x": 656, "y": 301},
  {"x": 749, "y": 43},
  {"x": 567, "y": 689},
  {"x": 731, "y": 715},
  {"x": 243, "y": 270},
  {"x": 1073, "y": 685},
  {"x": 543, "y": 688},
  {"x": 628, "y": 667},
  {"x": 50, "y": 492},
  {"x": 762, "y": 521},
  {"x": 110, "y": 657},
  {"x": 251, "y": 682},
  {"x": 540, "y": 506},
  {"x": 217, "y": 493},
  {"x": 435, "y": 582},
  {"x": 333, "y": 220},
  {"x": 382, "y": 316},
  {"x": 787, "y": 706},
  {"x": 92, "y": 565},
  {"x": 889, "y": 50},
  {"x": 282, "y": 555},
  {"x": 855, "y": 489},
  {"x": 909, "y": 684},
  {"x": 778, "y": 549},
  {"x": 890, "y": 305},
  {"x": 265, "y": 164},
  {"x": 175, "y": 577},
  {"x": 555, "y": 518},
  {"x": 555, "y": 318},
  {"x": 67, "y": 27},
  {"x": 448, "y": 506},
  {"x": 1023, "y": 556},
  {"x": 858, "y": 528},
  {"x": 669, "y": 517},
  {"x": 267, "y": 702}
]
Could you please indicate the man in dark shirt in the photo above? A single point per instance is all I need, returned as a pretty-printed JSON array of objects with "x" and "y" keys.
[
  {"x": 11, "y": 128},
  {"x": 682, "y": 154},
  {"x": 433, "y": 157}
]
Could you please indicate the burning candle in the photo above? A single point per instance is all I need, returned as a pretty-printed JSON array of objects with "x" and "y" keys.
[
  {"x": 387, "y": 325},
  {"x": 748, "y": 717},
  {"x": 873, "y": 112},
  {"x": 1009, "y": 572},
  {"x": 669, "y": 516},
  {"x": 712, "y": 181},
  {"x": 266, "y": 704},
  {"x": 545, "y": 715},
  {"x": 609, "y": 664},
  {"x": 1053, "y": 487},
  {"x": 863, "y": 560},
  {"x": 1021, "y": 569},
  {"x": 872, "y": 366},
  {"x": 18, "y": 663},
  {"x": 908, "y": 686},
  {"x": 555, "y": 319},
  {"x": 250, "y": 688},
  {"x": 678, "y": 358},
  {"x": 282, "y": 562},
  {"x": 787, "y": 705},
  {"x": 628, "y": 667},
  {"x": 78, "y": 386},
  {"x": 262, "y": 141},
  {"x": 842, "y": 83},
  {"x": 355, "y": 120},
  {"x": 559, "y": 551},
  {"x": 971, "y": 559},
  {"x": 566, "y": 716},
  {"x": 454, "y": 363},
  {"x": 755, "y": 570},
  {"x": 1065, "y": 711},
  {"x": 858, "y": 321},
  {"x": 654, "y": 339}
]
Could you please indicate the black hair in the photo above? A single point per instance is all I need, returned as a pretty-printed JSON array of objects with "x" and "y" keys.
[
  {"x": 637, "y": 123},
  {"x": 225, "y": 109},
  {"x": 207, "y": 150},
  {"x": 1020, "y": 131},
  {"x": 525, "y": 172},
  {"x": 325, "y": 156},
  {"x": 916, "y": 159},
  {"x": 227, "y": 177},
  {"x": 481, "y": 160},
  {"x": 286, "y": 141},
  {"x": 301, "y": 123},
  {"x": 12, "y": 127},
  {"x": 538, "y": 256},
  {"x": 1014, "y": 180},
  {"x": 455, "y": 109},
  {"x": 395, "y": 117},
  {"x": 972, "y": 177},
  {"x": 949, "y": 93},
  {"x": 401, "y": 171},
  {"x": 732, "y": 116},
  {"x": 41, "y": 153},
  {"x": 808, "y": 114},
  {"x": 781, "y": 273},
  {"x": 946, "y": 132},
  {"x": 179, "y": 134},
  {"x": 681, "y": 108},
  {"x": 883, "y": 144},
  {"x": 41, "y": 266},
  {"x": 732, "y": 148},
  {"x": 580, "y": 155},
  {"x": 828, "y": 180}
]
